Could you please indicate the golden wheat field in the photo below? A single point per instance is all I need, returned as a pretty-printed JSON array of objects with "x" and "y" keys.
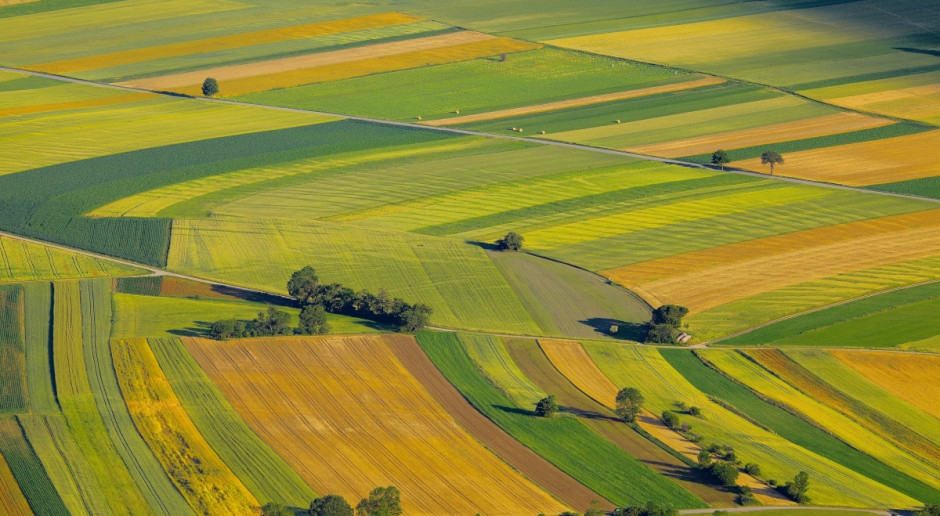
[
  {"x": 223, "y": 42},
  {"x": 860, "y": 164},
  {"x": 799, "y": 129},
  {"x": 205, "y": 481},
  {"x": 906, "y": 375},
  {"x": 347, "y": 416},
  {"x": 583, "y": 101}
]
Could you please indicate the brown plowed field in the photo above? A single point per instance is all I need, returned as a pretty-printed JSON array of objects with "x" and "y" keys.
[
  {"x": 345, "y": 414},
  {"x": 530, "y": 464}
]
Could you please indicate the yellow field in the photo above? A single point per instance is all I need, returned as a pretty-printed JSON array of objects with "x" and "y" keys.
[
  {"x": 715, "y": 285},
  {"x": 25, "y": 261},
  {"x": 799, "y": 129},
  {"x": 644, "y": 272},
  {"x": 14, "y": 2},
  {"x": 347, "y": 416},
  {"x": 909, "y": 96},
  {"x": 570, "y": 358},
  {"x": 770, "y": 386},
  {"x": 660, "y": 216},
  {"x": 116, "y": 13},
  {"x": 205, "y": 481},
  {"x": 305, "y": 62},
  {"x": 860, "y": 164},
  {"x": 583, "y": 101},
  {"x": 901, "y": 374},
  {"x": 78, "y": 104},
  {"x": 224, "y": 42},
  {"x": 12, "y": 500}
]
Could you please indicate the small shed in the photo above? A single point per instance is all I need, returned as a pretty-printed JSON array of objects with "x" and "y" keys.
[{"x": 683, "y": 338}]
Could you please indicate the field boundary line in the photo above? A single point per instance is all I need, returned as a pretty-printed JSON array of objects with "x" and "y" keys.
[
  {"x": 789, "y": 508},
  {"x": 467, "y": 132}
]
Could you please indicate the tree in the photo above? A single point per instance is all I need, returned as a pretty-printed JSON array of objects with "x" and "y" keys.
[
  {"x": 670, "y": 419},
  {"x": 670, "y": 315},
  {"x": 511, "y": 242},
  {"x": 304, "y": 285},
  {"x": 275, "y": 509},
  {"x": 272, "y": 322},
  {"x": 330, "y": 505},
  {"x": 798, "y": 487},
  {"x": 724, "y": 473},
  {"x": 222, "y": 330},
  {"x": 695, "y": 411},
  {"x": 704, "y": 458},
  {"x": 772, "y": 158},
  {"x": 752, "y": 469},
  {"x": 382, "y": 501},
  {"x": 662, "y": 334},
  {"x": 546, "y": 407},
  {"x": 629, "y": 402},
  {"x": 313, "y": 321},
  {"x": 210, "y": 87},
  {"x": 414, "y": 317},
  {"x": 929, "y": 510},
  {"x": 720, "y": 158}
]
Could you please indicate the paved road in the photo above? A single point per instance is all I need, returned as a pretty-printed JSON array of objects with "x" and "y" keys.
[{"x": 453, "y": 130}]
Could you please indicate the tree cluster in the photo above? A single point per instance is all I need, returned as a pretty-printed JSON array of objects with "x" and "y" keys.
[
  {"x": 511, "y": 242},
  {"x": 930, "y": 509},
  {"x": 650, "y": 509},
  {"x": 546, "y": 407},
  {"x": 382, "y": 501},
  {"x": 269, "y": 323},
  {"x": 664, "y": 327},
  {"x": 797, "y": 488},
  {"x": 305, "y": 287},
  {"x": 720, "y": 462}
]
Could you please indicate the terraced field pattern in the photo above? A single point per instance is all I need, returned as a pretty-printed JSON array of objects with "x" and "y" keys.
[{"x": 390, "y": 146}]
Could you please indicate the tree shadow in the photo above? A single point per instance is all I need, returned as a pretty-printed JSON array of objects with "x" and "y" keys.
[
  {"x": 200, "y": 330},
  {"x": 588, "y": 414},
  {"x": 935, "y": 53},
  {"x": 174, "y": 94},
  {"x": 625, "y": 330},
  {"x": 515, "y": 410},
  {"x": 253, "y": 296},
  {"x": 486, "y": 246}
]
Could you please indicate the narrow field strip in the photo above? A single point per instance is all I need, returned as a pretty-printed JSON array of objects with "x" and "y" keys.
[
  {"x": 571, "y": 359},
  {"x": 223, "y": 42},
  {"x": 686, "y": 263},
  {"x": 374, "y": 424},
  {"x": 78, "y": 104},
  {"x": 916, "y": 102},
  {"x": 28, "y": 470},
  {"x": 583, "y": 101},
  {"x": 68, "y": 362},
  {"x": 12, "y": 500},
  {"x": 206, "y": 482},
  {"x": 900, "y": 374},
  {"x": 493, "y": 359},
  {"x": 262, "y": 471},
  {"x": 37, "y": 332},
  {"x": 713, "y": 286},
  {"x": 862, "y": 164},
  {"x": 25, "y": 261},
  {"x": 899, "y": 434},
  {"x": 13, "y": 390},
  {"x": 768, "y": 134},
  {"x": 273, "y": 66}
]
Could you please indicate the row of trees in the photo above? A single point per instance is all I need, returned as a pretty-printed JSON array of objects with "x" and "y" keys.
[
  {"x": 268, "y": 323},
  {"x": 304, "y": 286},
  {"x": 382, "y": 501},
  {"x": 720, "y": 158}
]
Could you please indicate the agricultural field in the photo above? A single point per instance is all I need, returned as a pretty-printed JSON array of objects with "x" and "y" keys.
[{"x": 26, "y": 261}]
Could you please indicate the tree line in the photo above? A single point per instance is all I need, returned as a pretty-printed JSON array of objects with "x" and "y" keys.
[
  {"x": 315, "y": 301},
  {"x": 382, "y": 501}
]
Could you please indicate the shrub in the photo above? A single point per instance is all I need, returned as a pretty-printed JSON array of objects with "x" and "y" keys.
[
  {"x": 511, "y": 242},
  {"x": 724, "y": 473},
  {"x": 275, "y": 509},
  {"x": 670, "y": 419},
  {"x": 695, "y": 411},
  {"x": 752, "y": 469},
  {"x": 210, "y": 87},
  {"x": 662, "y": 334},
  {"x": 546, "y": 407}
]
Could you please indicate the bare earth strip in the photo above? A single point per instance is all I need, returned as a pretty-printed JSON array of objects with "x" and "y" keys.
[
  {"x": 707, "y": 288},
  {"x": 860, "y": 164},
  {"x": 796, "y": 130},
  {"x": 307, "y": 61},
  {"x": 570, "y": 358},
  {"x": 345, "y": 414},
  {"x": 224, "y": 42},
  {"x": 583, "y": 101},
  {"x": 644, "y": 272}
]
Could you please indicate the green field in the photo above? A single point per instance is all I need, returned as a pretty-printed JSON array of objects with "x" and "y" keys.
[
  {"x": 39, "y": 382},
  {"x": 25, "y": 261},
  {"x": 13, "y": 389},
  {"x": 564, "y": 441},
  {"x": 813, "y": 329},
  {"x": 28, "y": 470},
  {"x": 926, "y": 187},
  {"x": 791, "y": 427}
]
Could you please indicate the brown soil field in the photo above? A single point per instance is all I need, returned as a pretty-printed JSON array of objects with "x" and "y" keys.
[
  {"x": 583, "y": 101},
  {"x": 345, "y": 414},
  {"x": 526, "y": 461}
]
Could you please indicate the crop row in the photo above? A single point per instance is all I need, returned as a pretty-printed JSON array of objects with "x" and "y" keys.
[{"x": 12, "y": 350}]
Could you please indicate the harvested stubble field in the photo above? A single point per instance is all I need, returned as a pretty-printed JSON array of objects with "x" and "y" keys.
[
  {"x": 901, "y": 374},
  {"x": 662, "y": 386},
  {"x": 362, "y": 436},
  {"x": 564, "y": 441},
  {"x": 205, "y": 481}
]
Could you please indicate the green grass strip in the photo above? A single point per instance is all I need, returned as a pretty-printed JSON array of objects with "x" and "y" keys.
[
  {"x": 262, "y": 471},
  {"x": 29, "y": 471},
  {"x": 924, "y": 187},
  {"x": 12, "y": 350},
  {"x": 39, "y": 381},
  {"x": 791, "y": 427},
  {"x": 783, "y": 332},
  {"x": 832, "y": 140},
  {"x": 564, "y": 441}
]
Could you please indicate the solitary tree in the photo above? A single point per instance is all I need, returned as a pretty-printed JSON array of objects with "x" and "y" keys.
[
  {"x": 670, "y": 419},
  {"x": 304, "y": 285},
  {"x": 546, "y": 407},
  {"x": 798, "y": 488},
  {"x": 629, "y": 402},
  {"x": 313, "y": 321},
  {"x": 771, "y": 158},
  {"x": 210, "y": 87},
  {"x": 382, "y": 501},
  {"x": 670, "y": 315},
  {"x": 330, "y": 505},
  {"x": 720, "y": 158},
  {"x": 511, "y": 242}
]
